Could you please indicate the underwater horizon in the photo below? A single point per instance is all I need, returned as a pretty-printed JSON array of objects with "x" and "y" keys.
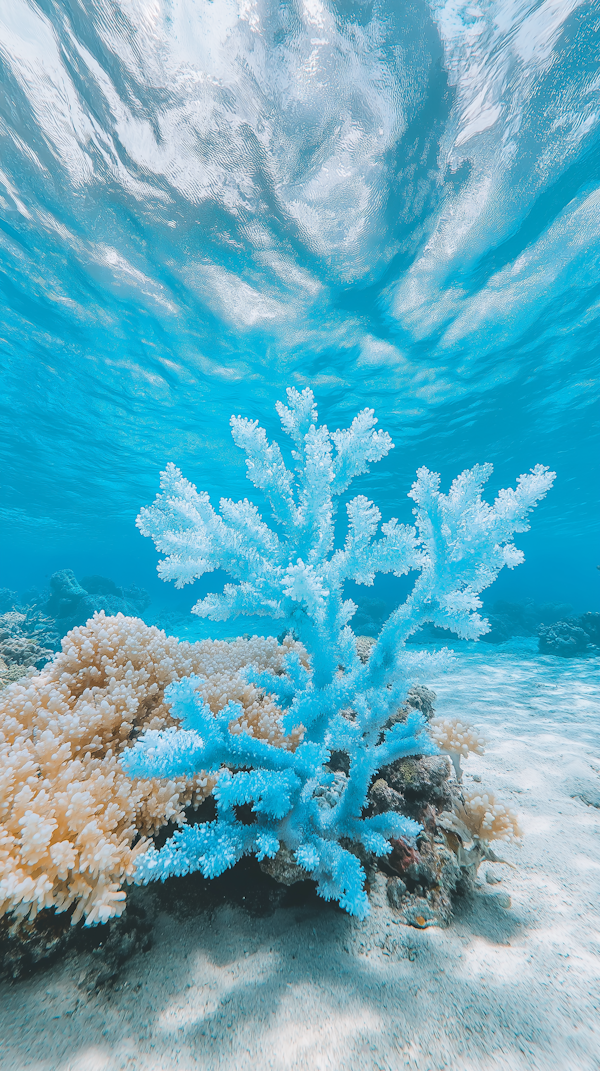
[{"x": 204, "y": 204}]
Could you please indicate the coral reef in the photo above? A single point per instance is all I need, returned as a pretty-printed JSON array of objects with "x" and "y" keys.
[
  {"x": 573, "y": 637},
  {"x": 506, "y": 620},
  {"x": 423, "y": 873},
  {"x": 565, "y": 638},
  {"x": 71, "y": 822},
  {"x": 344, "y": 702},
  {"x": 590, "y": 623},
  {"x": 8, "y": 600},
  {"x": 22, "y": 644},
  {"x": 290, "y": 805},
  {"x": 31, "y": 627}
]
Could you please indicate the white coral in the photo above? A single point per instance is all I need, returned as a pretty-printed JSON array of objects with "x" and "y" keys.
[
  {"x": 489, "y": 818},
  {"x": 481, "y": 817},
  {"x": 457, "y": 738}
]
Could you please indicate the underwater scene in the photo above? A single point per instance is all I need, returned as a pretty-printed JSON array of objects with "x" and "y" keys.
[{"x": 300, "y": 529}]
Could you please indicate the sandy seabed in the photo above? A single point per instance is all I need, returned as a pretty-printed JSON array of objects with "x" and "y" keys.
[{"x": 308, "y": 987}]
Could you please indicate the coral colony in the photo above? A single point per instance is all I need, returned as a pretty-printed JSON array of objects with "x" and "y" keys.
[
  {"x": 303, "y": 799},
  {"x": 71, "y": 822}
]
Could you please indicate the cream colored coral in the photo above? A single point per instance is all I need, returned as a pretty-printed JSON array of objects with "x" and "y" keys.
[
  {"x": 481, "y": 816},
  {"x": 457, "y": 738},
  {"x": 71, "y": 822}
]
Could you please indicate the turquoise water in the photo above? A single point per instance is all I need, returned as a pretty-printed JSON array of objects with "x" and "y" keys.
[{"x": 203, "y": 203}]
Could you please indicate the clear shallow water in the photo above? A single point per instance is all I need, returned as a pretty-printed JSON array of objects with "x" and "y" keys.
[{"x": 203, "y": 203}]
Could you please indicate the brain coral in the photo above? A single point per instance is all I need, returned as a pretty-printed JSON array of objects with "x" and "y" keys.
[{"x": 71, "y": 821}]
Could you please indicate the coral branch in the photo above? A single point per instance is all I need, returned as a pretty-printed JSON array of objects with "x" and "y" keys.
[{"x": 344, "y": 702}]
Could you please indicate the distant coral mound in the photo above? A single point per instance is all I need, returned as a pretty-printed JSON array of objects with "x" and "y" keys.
[
  {"x": 576, "y": 636},
  {"x": 8, "y": 600},
  {"x": 508, "y": 619},
  {"x": 72, "y": 603}
]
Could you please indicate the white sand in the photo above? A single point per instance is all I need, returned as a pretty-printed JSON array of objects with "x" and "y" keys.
[{"x": 515, "y": 989}]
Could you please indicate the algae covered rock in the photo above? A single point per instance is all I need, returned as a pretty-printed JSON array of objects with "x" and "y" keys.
[
  {"x": 421, "y": 782},
  {"x": 26, "y": 945},
  {"x": 283, "y": 868},
  {"x": 421, "y": 881}
]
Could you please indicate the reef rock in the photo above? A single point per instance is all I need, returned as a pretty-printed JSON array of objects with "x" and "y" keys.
[
  {"x": 572, "y": 637},
  {"x": 384, "y": 798},
  {"x": 422, "y": 879},
  {"x": 29, "y": 944},
  {"x": 283, "y": 868},
  {"x": 421, "y": 782},
  {"x": 72, "y": 603}
]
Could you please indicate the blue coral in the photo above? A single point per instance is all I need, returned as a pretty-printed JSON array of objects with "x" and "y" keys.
[
  {"x": 285, "y": 791},
  {"x": 296, "y": 576}
]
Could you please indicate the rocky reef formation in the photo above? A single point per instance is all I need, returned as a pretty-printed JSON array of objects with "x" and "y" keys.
[
  {"x": 509, "y": 619},
  {"x": 72, "y": 602},
  {"x": 27, "y": 641},
  {"x": 32, "y": 626},
  {"x": 575, "y": 636},
  {"x": 26, "y": 945},
  {"x": 559, "y": 630}
]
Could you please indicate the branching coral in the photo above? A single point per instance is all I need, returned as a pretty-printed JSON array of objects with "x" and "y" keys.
[
  {"x": 481, "y": 816},
  {"x": 345, "y": 701},
  {"x": 475, "y": 820},
  {"x": 457, "y": 738},
  {"x": 69, "y": 816}
]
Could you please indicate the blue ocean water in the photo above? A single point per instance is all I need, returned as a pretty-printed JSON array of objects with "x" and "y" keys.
[{"x": 203, "y": 203}]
